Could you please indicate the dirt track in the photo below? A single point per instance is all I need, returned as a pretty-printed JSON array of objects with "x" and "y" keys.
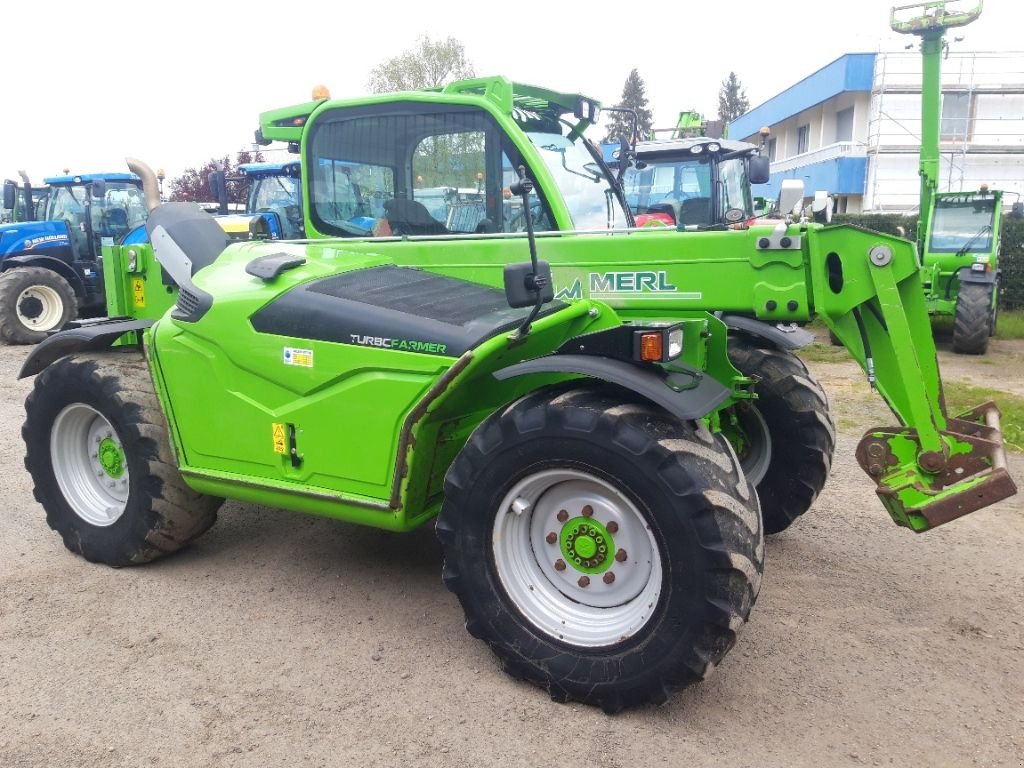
[{"x": 279, "y": 639}]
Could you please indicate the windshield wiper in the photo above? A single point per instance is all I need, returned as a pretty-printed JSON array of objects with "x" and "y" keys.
[{"x": 967, "y": 246}]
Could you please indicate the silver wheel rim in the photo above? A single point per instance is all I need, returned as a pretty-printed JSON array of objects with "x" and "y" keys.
[
  {"x": 603, "y": 612},
  {"x": 51, "y": 307},
  {"x": 755, "y": 462},
  {"x": 84, "y": 448}
]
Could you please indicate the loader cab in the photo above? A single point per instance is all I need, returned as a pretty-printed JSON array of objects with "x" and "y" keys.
[
  {"x": 97, "y": 208},
  {"x": 692, "y": 183},
  {"x": 277, "y": 188},
  {"x": 411, "y": 168}
]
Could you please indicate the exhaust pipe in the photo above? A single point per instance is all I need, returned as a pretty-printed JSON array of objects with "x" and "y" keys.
[{"x": 150, "y": 188}]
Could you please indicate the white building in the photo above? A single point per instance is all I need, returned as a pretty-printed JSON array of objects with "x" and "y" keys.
[{"x": 854, "y": 128}]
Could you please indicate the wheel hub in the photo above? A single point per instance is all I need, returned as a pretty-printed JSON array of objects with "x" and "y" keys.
[
  {"x": 30, "y": 307},
  {"x": 111, "y": 458},
  {"x": 586, "y": 545}
]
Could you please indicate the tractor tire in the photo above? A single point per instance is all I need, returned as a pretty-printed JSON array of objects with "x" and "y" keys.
[
  {"x": 973, "y": 321},
  {"x": 33, "y": 302},
  {"x": 655, "y": 565},
  {"x": 785, "y": 439},
  {"x": 100, "y": 457}
]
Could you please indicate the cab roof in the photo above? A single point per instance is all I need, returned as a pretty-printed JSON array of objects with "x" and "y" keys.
[
  {"x": 291, "y": 168},
  {"x": 87, "y": 178}
]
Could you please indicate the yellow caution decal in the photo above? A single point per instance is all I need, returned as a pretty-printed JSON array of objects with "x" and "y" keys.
[
  {"x": 138, "y": 292},
  {"x": 280, "y": 442}
]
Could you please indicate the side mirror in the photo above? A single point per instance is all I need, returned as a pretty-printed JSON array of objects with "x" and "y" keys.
[
  {"x": 759, "y": 169},
  {"x": 219, "y": 190},
  {"x": 98, "y": 189},
  {"x": 523, "y": 285},
  {"x": 10, "y": 194},
  {"x": 821, "y": 207}
]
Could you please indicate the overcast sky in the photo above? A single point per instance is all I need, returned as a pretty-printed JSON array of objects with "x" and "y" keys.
[{"x": 175, "y": 83}]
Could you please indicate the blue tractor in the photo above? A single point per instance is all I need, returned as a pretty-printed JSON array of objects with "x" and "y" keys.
[
  {"x": 51, "y": 269},
  {"x": 273, "y": 208}
]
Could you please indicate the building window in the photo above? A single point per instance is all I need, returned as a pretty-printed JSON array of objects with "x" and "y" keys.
[
  {"x": 803, "y": 139},
  {"x": 844, "y": 125},
  {"x": 956, "y": 117},
  {"x": 772, "y": 148}
]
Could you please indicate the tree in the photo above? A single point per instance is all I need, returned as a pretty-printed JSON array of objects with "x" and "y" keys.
[
  {"x": 633, "y": 97},
  {"x": 429, "y": 64},
  {"x": 732, "y": 99},
  {"x": 193, "y": 185}
]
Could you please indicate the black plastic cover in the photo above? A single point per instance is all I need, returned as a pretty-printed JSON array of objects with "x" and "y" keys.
[
  {"x": 393, "y": 308},
  {"x": 267, "y": 268},
  {"x": 196, "y": 232},
  {"x": 88, "y": 337}
]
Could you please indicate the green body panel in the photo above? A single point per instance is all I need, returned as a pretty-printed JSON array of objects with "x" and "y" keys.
[
  {"x": 139, "y": 292},
  {"x": 363, "y": 457}
]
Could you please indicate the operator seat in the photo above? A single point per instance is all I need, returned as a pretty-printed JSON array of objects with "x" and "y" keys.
[
  {"x": 411, "y": 217},
  {"x": 695, "y": 211}
]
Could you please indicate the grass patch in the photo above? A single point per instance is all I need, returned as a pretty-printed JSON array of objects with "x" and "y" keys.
[
  {"x": 1010, "y": 325},
  {"x": 961, "y": 397},
  {"x": 824, "y": 353}
]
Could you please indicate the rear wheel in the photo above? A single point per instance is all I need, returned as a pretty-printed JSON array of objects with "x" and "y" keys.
[
  {"x": 785, "y": 438},
  {"x": 974, "y": 318},
  {"x": 33, "y": 302},
  {"x": 100, "y": 457},
  {"x": 603, "y": 549}
]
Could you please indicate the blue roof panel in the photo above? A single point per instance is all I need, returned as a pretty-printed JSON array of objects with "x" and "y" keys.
[
  {"x": 86, "y": 178},
  {"x": 850, "y": 72}
]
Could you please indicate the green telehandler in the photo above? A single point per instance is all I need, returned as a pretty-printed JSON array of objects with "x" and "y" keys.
[
  {"x": 577, "y": 423},
  {"x": 959, "y": 232}
]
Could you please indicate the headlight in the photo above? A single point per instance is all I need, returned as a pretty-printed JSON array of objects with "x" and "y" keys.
[{"x": 658, "y": 345}]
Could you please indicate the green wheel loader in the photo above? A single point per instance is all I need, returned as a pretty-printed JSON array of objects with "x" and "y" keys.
[{"x": 582, "y": 434}]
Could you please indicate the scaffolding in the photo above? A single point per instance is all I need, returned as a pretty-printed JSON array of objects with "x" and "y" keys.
[{"x": 982, "y": 127}]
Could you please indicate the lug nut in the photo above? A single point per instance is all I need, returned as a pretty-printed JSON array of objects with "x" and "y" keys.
[
  {"x": 562, "y": 516},
  {"x": 559, "y": 564},
  {"x": 551, "y": 538},
  {"x": 609, "y": 577},
  {"x": 588, "y": 511},
  {"x": 621, "y": 555},
  {"x": 612, "y": 527},
  {"x": 584, "y": 581}
]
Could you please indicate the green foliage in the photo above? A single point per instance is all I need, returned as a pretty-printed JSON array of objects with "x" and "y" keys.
[
  {"x": 1011, "y": 254},
  {"x": 431, "y": 63},
  {"x": 1010, "y": 324},
  {"x": 732, "y": 99},
  {"x": 635, "y": 98},
  {"x": 962, "y": 397},
  {"x": 193, "y": 185}
]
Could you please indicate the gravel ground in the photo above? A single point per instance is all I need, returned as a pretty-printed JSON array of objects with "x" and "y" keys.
[{"x": 279, "y": 639}]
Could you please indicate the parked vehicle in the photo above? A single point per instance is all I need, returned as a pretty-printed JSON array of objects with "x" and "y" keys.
[{"x": 604, "y": 441}]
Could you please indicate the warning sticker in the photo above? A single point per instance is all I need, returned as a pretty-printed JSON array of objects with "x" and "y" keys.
[
  {"x": 139, "y": 291},
  {"x": 300, "y": 357},
  {"x": 279, "y": 438}
]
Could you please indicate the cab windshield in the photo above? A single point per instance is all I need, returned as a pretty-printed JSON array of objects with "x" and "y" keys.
[
  {"x": 120, "y": 209},
  {"x": 280, "y": 195},
  {"x": 684, "y": 189},
  {"x": 588, "y": 192},
  {"x": 962, "y": 224}
]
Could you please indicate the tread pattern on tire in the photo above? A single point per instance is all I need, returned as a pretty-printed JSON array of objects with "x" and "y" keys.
[
  {"x": 176, "y": 514},
  {"x": 16, "y": 280},
  {"x": 726, "y": 527},
  {"x": 790, "y": 396},
  {"x": 972, "y": 321}
]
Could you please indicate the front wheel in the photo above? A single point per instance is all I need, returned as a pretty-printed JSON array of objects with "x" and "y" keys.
[
  {"x": 33, "y": 302},
  {"x": 974, "y": 318},
  {"x": 786, "y": 437},
  {"x": 603, "y": 549},
  {"x": 99, "y": 454}
]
